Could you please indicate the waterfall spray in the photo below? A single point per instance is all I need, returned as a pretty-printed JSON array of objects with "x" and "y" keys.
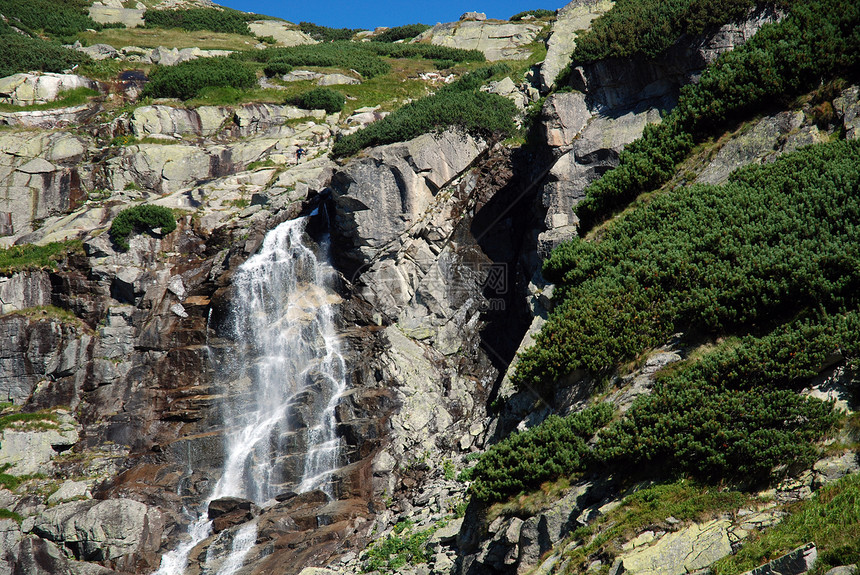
[{"x": 284, "y": 384}]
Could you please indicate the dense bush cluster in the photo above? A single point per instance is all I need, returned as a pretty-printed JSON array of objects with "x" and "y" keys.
[
  {"x": 23, "y": 54},
  {"x": 649, "y": 27},
  {"x": 188, "y": 79},
  {"x": 340, "y": 54},
  {"x": 710, "y": 422},
  {"x": 458, "y": 104},
  {"x": 425, "y": 51},
  {"x": 725, "y": 259},
  {"x": 63, "y": 19},
  {"x": 818, "y": 40},
  {"x": 320, "y": 99},
  {"x": 193, "y": 19},
  {"x": 735, "y": 414},
  {"x": 538, "y": 13},
  {"x": 366, "y": 58},
  {"x": 140, "y": 218},
  {"x": 526, "y": 459},
  {"x": 396, "y": 33},
  {"x": 326, "y": 34}
]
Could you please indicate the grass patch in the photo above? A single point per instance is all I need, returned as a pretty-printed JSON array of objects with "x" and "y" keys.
[
  {"x": 831, "y": 519},
  {"x": 457, "y": 104},
  {"x": 48, "y": 311},
  {"x": 67, "y": 99},
  {"x": 32, "y": 257},
  {"x": 684, "y": 500},
  {"x": 167, "y": 37},
  {"x": 29, "y": 421},
  {"x": 6, "y": 514}
]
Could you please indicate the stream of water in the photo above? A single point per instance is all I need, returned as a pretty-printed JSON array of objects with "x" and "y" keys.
[{"x": 283, "y": 386}]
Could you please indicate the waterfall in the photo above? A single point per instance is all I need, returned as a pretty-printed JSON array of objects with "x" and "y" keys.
[{"x": 283, "y": 384}]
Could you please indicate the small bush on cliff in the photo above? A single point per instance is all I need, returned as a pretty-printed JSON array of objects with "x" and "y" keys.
[
  {"x": 193, "y": 19},
  {"x": 188, "y": 79},
  {"x": 401, "y": 548},
  {"x": 320, "y": 99},
  {"x": 140, "y": 218}
]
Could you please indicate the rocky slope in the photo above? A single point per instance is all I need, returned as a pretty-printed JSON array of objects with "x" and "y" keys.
[{"x": 110, "y": 359}]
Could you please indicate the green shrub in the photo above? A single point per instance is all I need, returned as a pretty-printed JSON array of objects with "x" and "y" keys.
[
  {"x": 425, "y": 51},
  {"x": 63, "y": 19},
  {"x": 723, "y": 259},
  {"x": 403, "y": 547},
  {"x": 187, "y": 79},
  {"x": 458, "y": 104},
  {"x": 273, "y": 69},
  {"x": 538, "y": 13},
  {"x": 648, "y": 27},
  {"x": 340, "y": 54},
  {"x": 140, "y": 218},
  {"x": 396, "y": 33},
  {"x": 320, "y": 99},
  {"x": 817, "y": 41},
  {"x": 22, "y": 54},
  {"x": 193, "y": 19},
  {"x": 524, "y": 460},
  {"x": 326, "y": 34}
]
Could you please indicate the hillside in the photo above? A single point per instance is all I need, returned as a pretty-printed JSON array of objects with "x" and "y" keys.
[{"x": 573, "y": 292}]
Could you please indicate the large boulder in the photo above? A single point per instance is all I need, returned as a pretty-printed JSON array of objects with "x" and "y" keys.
[
  {"x": 382, "y": 194},
  {"x": 39, "y": 87},
  {"x": 678, "y": 553},
  {"x": 496, "y": 39},
  {"x": 39, "y": 177},
  {"x": 29, "y": 451},
  {"x": 571, "y": 21},
  {"x": 109, "y": 13},
  {"x": 284, "y": 33},
  {"x": 848, "y": 108},
  {"x": 121, "y": 533}
]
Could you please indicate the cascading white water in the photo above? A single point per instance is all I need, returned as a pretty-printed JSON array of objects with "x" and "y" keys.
[{"x": 284, "y": 384}]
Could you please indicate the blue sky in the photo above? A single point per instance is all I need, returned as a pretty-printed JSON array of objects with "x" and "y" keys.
[{"x": 373, "y": 13}]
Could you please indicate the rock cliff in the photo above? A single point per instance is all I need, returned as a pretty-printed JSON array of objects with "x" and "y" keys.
[{"x": 110, "y": 359}]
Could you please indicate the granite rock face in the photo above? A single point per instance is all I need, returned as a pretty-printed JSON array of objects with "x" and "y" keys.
[
  {"x": 570, "y": 21},
  {"x": 496, "y": 39},
  {"x": 40, "y": 88}
]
